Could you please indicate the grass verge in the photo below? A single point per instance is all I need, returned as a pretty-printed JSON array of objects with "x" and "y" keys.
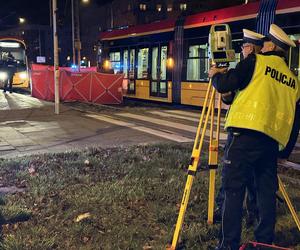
[{"x": 120, "y": 198}]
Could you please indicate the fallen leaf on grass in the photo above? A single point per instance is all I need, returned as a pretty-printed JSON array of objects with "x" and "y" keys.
[
  {"x": 82, "y": 217},
  {"x": 32, "y": 170},
  {"x": 85, "y": 239},
  {"x": 147, "y": 247}
]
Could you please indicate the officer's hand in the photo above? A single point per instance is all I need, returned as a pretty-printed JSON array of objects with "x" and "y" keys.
[
  {"x": 214, "y": 70},
  {"x": 227, "y": 95},
  {"x": 227, "y": 98}
]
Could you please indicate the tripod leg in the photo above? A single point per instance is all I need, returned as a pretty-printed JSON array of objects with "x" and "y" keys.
[
  {"x": 289, "y": 203},
  {"x": 213, "y": 165},
  {"x": 193, "y": 166},
  {"x": 213, "y": 162}
]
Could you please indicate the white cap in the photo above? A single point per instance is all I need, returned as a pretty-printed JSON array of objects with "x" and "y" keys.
[
  {"x": 280, "y": 38},
  {"x": 252, "y": 37}
]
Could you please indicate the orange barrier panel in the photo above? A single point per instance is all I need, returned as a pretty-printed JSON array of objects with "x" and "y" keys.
[{"x": 86, "y": 85}]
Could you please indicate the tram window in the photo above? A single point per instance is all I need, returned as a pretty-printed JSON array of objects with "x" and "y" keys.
[
  {"x": 115, "y": 59},
  {"x": 163, "y": 63},
  {"x": 131, "y": 87},
  {"x": 131, "y": 64},
  {"x": 197, "y": 63},
  {"x": 15, "y": 56},
  {"x": 163, "y": 88},
  {"x": 294, "y": 58},
  {"x": 12, "y": 55},
  {"x": 142, "y": 71},
  {"x": 154, "y": 63},
  {"x": 131, "y": 72},
  {"x": 125, "y": 63},
  {"x": 236, "y": 45},
  {"x": 154, "y": 88},
  {"x": 158, "y": 84}
]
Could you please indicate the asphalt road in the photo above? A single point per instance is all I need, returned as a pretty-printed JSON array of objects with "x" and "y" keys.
[{"x": 29, "y": 126}]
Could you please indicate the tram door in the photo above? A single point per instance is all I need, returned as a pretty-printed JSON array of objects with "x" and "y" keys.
[
  {"x": 131, "y": 71},
  {"x": 159, "y": 83}
]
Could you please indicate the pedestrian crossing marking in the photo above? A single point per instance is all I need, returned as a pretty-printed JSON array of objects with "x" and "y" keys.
[
  {"x": 169, "y": 136},
  {"x": 185, "y": 113},
  {"x": 196, "y": 114},
  {"x": 157, "y": 121},
  {"x": 164, "y": 114},
  {"x": 175, "y": 125}
]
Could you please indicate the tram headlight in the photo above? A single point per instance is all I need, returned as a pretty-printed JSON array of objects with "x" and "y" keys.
[
  {"x": 23, "y": 75},
  {"x": 3, "y": 76}
]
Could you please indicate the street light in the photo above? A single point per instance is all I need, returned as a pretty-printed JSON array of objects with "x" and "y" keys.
[
  {"x": 22, "y": 20},
  {"x": 76, "y": 43}
]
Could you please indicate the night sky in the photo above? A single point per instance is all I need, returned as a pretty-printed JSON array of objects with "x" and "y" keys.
[{"x": 35, "y": 11}]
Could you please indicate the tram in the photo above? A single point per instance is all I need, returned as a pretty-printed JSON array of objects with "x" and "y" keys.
[
  {"x": 13, "y": 62},
  {"x": 167, "y": 61}
]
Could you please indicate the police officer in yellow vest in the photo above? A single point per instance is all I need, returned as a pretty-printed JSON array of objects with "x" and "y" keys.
[
  {"x": 260, "y": 119},
  {"x": 252, "y": 44}
]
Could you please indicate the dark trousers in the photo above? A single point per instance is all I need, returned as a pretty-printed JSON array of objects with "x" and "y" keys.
[
  {"x": 250, "y": 154},
  {"x": 8, "y": 85},
  {"x": 251, "y": 205}
]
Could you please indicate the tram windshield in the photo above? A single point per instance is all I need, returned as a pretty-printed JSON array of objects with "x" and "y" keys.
[{"x": 12, "y": 52}]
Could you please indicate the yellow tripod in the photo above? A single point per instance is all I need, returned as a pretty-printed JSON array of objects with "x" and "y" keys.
[
  {"x": 208, "y": 111},
  {"x": 289, "y": 203}
]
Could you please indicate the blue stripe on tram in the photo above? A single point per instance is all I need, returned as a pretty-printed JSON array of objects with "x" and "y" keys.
[{"x": 266, "y": 16}]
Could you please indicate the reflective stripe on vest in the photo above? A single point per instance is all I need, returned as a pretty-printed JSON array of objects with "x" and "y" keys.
[{"x": 267, "y": 104}]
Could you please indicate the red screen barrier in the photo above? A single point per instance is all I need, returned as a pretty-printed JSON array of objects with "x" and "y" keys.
[{"x": 86, "y": 85}]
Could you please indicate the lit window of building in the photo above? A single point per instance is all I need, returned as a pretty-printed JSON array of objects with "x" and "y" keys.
[
  {"x": 158, "y": 7},
  {"x": 169, "y": 8},
  {"x": 143, "y": 6},
  {"x": 183, "y": 6}
]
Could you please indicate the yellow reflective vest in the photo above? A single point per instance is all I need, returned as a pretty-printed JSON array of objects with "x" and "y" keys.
[{"x": 268, "y": 103}]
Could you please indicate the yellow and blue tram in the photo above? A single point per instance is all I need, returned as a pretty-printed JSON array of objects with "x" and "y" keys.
[
  {"x": 13, "y": 61},
  {"x": 167, "y": 61}
]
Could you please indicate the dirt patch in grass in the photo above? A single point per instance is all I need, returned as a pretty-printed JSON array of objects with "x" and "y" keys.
[{"x": 120, "y": 198}]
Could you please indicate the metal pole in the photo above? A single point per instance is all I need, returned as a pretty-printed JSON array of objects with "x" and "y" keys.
[
  {"x": 56, "y": 63},
  {"x": 73, "y": 33},
  {"x": 77, "y": 33}
]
